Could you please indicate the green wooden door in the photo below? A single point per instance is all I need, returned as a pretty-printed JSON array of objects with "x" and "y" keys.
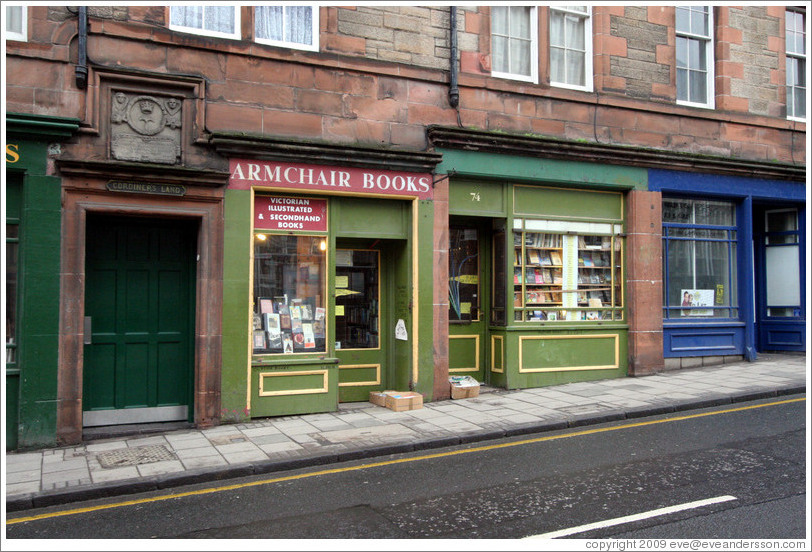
[
  {"x": 362, "y": 302},
  {"x": 139, "y": 312},
  {"x": 468, "y": 285}
]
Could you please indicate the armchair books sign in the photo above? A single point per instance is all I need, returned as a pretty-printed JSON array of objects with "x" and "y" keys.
[{"x": 329, "y": 179}]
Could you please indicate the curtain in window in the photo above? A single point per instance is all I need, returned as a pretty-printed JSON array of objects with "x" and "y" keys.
[
  {"x": 567, "y": 48},
  {"x": 511, "y": 41},
  {"x": 210, "y": 18},
  {"x": 14, "y": 19},
  {"x": 285, "y": 24},
  {"x": 187, "y": 16}
]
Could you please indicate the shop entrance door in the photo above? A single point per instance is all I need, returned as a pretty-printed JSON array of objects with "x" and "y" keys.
[
  {"x": 780, "y": 271},
  {"x": 468, "y": 297},
  {"x": 362, "y": 304},
  {"x": 139, "y": 321}
]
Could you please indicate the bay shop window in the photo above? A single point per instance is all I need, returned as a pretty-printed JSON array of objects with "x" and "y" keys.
[
  {"x": 290, "y": 276},
  {"x": 567, "y": 271}
]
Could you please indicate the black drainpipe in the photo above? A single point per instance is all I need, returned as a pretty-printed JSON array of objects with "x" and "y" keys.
[
  {"x": 453, "y": 91},
  {"x": 81, "y": 64}
]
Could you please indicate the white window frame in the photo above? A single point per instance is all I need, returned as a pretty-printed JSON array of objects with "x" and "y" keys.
[
  {"x": 801, "y": 57},
  {"x": 588, "y": 51},
  {"x": 236, "y": 35},
  {"x": 22, "y": 35},
  {"x": 314, "y": 47},
  {"x": 534, "y": 51},
  {"x": 709, "y": 60}
]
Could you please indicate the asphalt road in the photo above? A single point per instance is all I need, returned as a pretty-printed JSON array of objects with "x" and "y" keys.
[{"x": 751, "y": 454}]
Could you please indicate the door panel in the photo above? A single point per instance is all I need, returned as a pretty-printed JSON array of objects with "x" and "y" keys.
[
  {"x": 362, "y": 345},
  {"x": 140, "y": 302},
  {"x": 468, "y": 285},
  {"x": 780, "y": 270}
]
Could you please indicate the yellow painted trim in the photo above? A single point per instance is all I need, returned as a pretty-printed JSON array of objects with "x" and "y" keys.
[
  {"x": 475, "y": 337},
  {"x": 415, "y": 303},
  {"x": 616, "y": 337},
  {"x": 360, "y": 383},
  {"x": 263, "y": 375},
  {"x": 345, "y": 469},
  {"x": 501, "y": 351}
]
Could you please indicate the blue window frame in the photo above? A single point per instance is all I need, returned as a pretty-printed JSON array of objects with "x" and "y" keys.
[{"x": 699, "y": 259}]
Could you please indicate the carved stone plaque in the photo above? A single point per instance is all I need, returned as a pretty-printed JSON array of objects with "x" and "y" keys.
[{"x": 145, "y": 128}]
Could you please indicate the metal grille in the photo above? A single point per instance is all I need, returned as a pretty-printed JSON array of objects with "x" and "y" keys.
[{"x": 134, "y": 456}]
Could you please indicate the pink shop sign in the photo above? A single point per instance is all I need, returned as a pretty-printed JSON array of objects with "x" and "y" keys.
[
  {"x": 246, "y": 174},
  {"x": 290, "y": 213}
]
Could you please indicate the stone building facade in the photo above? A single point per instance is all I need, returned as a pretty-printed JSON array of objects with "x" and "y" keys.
[{"x": 152, "y": 117}]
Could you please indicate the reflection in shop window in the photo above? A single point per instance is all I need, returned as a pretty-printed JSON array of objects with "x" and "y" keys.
[
  {"x": 782, "y": 263},
  {"x": 357, "y": 299},
  {"x": 699, "y": 240},
  {"x": 12, "y": 244},
  {"x": 289, "y": 291},
  {"x": 463, "y": 275}
]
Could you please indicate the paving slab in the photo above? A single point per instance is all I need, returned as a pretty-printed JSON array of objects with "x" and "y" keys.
[{"x": 60, "y": 474}]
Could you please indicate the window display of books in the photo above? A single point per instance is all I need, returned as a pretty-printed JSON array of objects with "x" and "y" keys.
[{"x": 566, "y": 277}]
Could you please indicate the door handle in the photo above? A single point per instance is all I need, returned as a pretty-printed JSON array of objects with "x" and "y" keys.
[{"x": 88, "y": 325}]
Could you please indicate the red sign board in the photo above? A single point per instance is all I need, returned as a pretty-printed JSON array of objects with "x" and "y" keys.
[
  {"x": 290, "y": 213},
  {"x": 328, "y": 179}
]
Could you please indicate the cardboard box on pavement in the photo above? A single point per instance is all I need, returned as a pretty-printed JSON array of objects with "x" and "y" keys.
[
  {"x": 463, "y": 387},
  {"x": 397, "y": 400}
]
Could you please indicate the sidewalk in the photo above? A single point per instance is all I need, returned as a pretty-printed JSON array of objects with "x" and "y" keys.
[{"x": 120, "y": 466}]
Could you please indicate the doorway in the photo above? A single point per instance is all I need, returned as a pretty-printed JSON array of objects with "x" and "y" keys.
[
  {"x": 363, "y": 299},
  {"x": 469, "y": 286},
  {"x": 139, "y": 320},
  {"x": 780, "y": 270}
]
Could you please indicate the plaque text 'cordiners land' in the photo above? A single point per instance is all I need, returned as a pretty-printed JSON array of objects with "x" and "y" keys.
[{"x": 146, "y": 188}]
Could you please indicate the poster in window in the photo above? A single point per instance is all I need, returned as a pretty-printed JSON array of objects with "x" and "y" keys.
[
  {"x": 697, "y": 298},
  {"x": 265, "y": 305},
  {"x": 309, "y": 338},
  {"x": 274, "y": 330}
]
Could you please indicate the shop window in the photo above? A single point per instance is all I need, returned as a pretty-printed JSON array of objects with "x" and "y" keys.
[
  {"x": 289, "y": 26},
  {"x": 12, "y": 256},
  {"x": 571, "y": 47},
  {"x": 699, "y": 257},
  {"x": 16, "y": 23},
  {"x": 694, "y": 29},
  {"x": 219, "y": 21},
  {"x": 514, "y": 47},
  {"x": 499, "y": 292},
  {"x": 782, "y": 259},
  {"x": 463, "y": 275},
  {"x": 568, "y": 276},
  {"x": 796, "y": 64},
  {"x": 289, "y": 294},
  {"x": 357, "y": 299}
]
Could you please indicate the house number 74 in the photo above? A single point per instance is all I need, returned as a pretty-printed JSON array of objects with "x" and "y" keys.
[{"x": 475, "y": 196}]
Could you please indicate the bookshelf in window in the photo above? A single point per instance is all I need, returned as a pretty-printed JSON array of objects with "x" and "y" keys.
[{"x": 566, "y": 277}]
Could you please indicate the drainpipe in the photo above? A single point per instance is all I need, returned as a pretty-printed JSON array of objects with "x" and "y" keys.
[
  {"x": 453, "y": 91},
  {"x": 81, "y": 64}
]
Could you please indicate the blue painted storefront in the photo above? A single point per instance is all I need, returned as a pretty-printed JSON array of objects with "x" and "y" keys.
[{"x": 751, "y": 328}]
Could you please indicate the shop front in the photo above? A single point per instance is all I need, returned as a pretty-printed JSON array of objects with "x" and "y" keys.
[
  {"x": 537, "y": 273},
  {"x": 327, "y": 295},
  {"x": 31, "y": 280},
  {"x": 734, "y": 266}
]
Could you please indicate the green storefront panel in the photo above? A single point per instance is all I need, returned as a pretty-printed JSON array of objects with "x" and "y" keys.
[
  {"x": 565, "y": 203},
  {"x": 34, "y": 204}
]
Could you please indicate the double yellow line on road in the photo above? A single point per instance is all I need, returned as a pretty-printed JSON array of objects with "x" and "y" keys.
[{"x": 75, "y": 511}]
